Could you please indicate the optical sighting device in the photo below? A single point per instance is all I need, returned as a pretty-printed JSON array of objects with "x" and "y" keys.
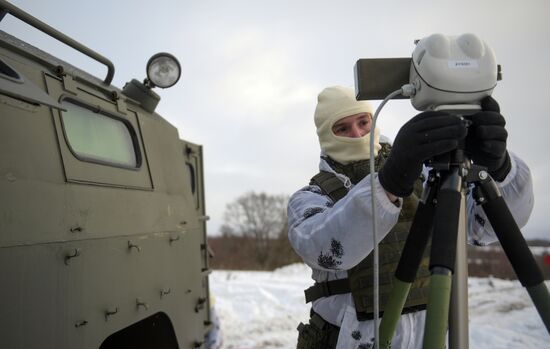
[{"x": 447, "y": 72}]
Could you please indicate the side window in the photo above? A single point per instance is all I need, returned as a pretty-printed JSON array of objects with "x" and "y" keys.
[
  {"x": 9, "y": 72},
  {"x": 192, "y": 154},
  {"x": 95, "y": 136},
  {"x": 192, "y": 177}
]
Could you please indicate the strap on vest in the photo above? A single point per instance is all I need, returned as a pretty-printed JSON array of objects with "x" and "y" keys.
[
  {"x": 328, "y": 288},
  {"x": 330, "y": 184},
  {"x": 341, "y": 286}
]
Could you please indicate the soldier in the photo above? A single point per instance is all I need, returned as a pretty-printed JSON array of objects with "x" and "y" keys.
[{"x": 330, "y": 219}]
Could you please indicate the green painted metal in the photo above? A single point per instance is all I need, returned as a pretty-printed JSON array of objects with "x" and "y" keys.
[
  {"x": 437, "y": 314},
  {"x": 88, "y": 247},
  {"x": 392, "y": 313}
]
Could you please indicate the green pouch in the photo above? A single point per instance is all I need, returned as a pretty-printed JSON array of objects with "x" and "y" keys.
[
  {"x": 317, "y": 334},
  {"x": 310, "y": 337}
]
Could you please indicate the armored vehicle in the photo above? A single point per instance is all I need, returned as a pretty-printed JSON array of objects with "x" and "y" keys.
[{"x": 102, "y": 214}]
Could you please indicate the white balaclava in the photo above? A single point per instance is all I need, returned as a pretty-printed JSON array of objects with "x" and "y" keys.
[{"x": 333, "y": 104}]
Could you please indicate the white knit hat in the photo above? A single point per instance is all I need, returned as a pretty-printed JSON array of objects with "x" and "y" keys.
[{"x": 333, "y": 104}]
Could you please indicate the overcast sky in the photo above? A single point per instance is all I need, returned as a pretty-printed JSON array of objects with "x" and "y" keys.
[{"x": 252, "y": 71}]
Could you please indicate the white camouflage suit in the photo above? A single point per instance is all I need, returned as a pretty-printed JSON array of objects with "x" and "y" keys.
[{"x": 332, "y": 238}]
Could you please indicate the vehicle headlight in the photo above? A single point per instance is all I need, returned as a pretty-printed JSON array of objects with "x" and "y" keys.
[{"x": 163, "y": 70}]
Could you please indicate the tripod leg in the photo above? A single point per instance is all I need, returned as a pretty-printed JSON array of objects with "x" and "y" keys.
[
  {"x": 411, "y": 256},
  {"x": 458, "y": 317},
  {"x": 514, "y": 246},
  {"x": 442, "y": 259}
]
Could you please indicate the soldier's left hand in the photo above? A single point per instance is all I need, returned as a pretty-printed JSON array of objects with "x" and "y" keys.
[{"x": 486, "y": 139}]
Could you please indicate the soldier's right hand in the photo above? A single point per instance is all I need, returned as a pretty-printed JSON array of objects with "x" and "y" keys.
[{"x": 426, "y": 135}]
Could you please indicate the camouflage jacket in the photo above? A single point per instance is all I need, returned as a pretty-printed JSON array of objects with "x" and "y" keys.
[{"x": 334, "y": 237}]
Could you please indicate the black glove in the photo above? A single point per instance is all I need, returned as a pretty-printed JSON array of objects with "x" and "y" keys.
[
  {"x": 426, "y": 135},
  {"x": 486, "y": 140}
]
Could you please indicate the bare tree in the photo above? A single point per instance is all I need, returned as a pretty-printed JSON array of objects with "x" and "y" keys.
[{"x": 259, "y": 216}]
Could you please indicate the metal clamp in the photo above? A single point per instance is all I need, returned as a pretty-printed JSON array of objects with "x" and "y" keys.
[
  {"x": 200, "y": 304},
  {"x": 120, "y": 102},
  {"x": 69, "y": 84},
  {"x": 73, "y": 254},
  {"x": 204, "y": 218},
  {"x": 140, "y": 303},
  {"x": 132, "y": 245},
  {"x": 164, "y": 292},
  {"x": 110, "y": 312},
  {"x": 76, "y": 229},
  {"x": 81, "y": 323}
]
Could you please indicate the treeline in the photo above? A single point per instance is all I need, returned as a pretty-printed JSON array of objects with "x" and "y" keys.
[
  {"x": 254, "y": 234},
  {"x": 254, "y": 237},
  {"x": 239, "y": 253}
]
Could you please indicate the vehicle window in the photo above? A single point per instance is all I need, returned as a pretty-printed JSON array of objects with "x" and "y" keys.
[
  {"x": 97, "y": 137},
  {"x": 8, "y": 71},
  {"x": 192, "y": 177}
]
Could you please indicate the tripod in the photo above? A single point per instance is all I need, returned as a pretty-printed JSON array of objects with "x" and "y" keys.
[{"x": 442, "y": 210}]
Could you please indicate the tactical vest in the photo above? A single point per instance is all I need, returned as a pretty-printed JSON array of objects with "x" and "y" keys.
[{"x": 360, "y": 278}]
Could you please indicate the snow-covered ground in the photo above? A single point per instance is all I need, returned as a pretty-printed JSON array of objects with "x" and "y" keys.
[{"x": 263, "y": 309}]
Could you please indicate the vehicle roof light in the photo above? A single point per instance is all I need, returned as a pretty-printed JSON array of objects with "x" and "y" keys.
[{"x": 163, "y": 70}]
